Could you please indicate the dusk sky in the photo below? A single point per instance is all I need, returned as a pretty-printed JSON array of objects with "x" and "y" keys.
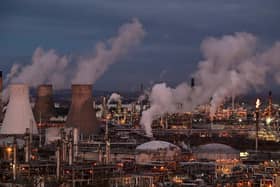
[{"x": 169, "y": 52}]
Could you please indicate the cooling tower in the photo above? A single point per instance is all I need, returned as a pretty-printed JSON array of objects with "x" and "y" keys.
[
  {"x": 44, "y": 108},
  {"x": 19, "y": 114},
  {"x": 82, "y": 114}
]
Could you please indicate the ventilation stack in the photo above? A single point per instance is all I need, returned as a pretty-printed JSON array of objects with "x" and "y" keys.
[
  {"x": 192, "y": 83},
  {"x": 1, "y": 102},
  {"x": 19, "y": 114},
  {"x": 44, "y": 107},
  {"x": 82, "y": 114},
  {"x": 270, "y": 104}
]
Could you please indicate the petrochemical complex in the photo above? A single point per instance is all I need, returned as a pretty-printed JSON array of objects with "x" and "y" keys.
[{"x": 93, "y": 142}]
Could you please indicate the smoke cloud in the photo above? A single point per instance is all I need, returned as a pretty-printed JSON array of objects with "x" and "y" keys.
[
  {"x": 114, "y": 97},
  {"x": 91, "y": 68},
  {"x": 49, "y": 67},
  {"x": 232, "y": 66}
]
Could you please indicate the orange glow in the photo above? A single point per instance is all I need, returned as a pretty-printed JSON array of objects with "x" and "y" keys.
[
  {"x": 108, "y": 116},
  {"x": 9, "y": 149}
]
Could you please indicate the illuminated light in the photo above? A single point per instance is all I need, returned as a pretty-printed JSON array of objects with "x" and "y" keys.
[
  {"x": 108, "y": 116},
  {"x": 258, "y": 103},
  {"x": 91, "y": 171},
  {"x": 268, "y": 120},
  {"x": 244, "y": 154},
  {"x": 9, "y": 149}
]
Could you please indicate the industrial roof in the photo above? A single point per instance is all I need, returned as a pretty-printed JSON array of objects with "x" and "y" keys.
[{"x": 156, "y": 145}]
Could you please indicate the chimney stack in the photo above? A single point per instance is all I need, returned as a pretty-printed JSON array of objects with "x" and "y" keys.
[
  {"x": 44, "y": 107},
  {"x": 270, "y": 104},
  {"x": 82, "y": 114},
  {"x": 192, "y": 83},
  {"x": 1, "y": 101}
]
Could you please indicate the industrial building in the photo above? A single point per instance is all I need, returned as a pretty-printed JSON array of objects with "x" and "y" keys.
[{"x": 102, "y": 144}]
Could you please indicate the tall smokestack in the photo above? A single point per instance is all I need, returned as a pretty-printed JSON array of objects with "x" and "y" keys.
[
  {"x": 270, "y": 104},
  {"x": 1, "y": 103},
  {"x": 19, "y": 114},
  {"x": 192, "y": 83},
  {"x": 44, "y": 108},
  {"x": 104, "y": 107},
  {"x": 82, "y": 114},
  {"x": 119, "y": 106}
]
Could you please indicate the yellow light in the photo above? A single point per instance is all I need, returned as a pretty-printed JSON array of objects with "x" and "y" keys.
[
  {"x": 108, "y": 116},
  {"x": 9, "y": 149},
  {"x": 258, "y": 103},
  {"x": 268, "y": 120}
]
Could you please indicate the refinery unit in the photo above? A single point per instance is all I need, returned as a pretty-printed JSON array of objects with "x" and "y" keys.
[{"x": 93, "y": 143}]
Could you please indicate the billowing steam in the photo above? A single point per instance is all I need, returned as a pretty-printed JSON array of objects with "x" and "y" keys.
[
  {"x": 46, "y": 67},
  {"x": 114, "y": 97},
  {"x": 91, "y": 68},
  {"x": 232, "y": 65},
  {"x": 49, "y": 67}
]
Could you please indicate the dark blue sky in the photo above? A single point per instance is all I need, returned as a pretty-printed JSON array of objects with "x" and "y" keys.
[{"x": 169, "y": 52}]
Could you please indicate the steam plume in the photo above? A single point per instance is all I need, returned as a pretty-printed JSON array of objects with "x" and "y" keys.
[
  {"x": 90, "y": 69},
  {"x": 51, "y": 68},
  {"x": 232, "y": 64},
  {"x": 114, "y": 97}
]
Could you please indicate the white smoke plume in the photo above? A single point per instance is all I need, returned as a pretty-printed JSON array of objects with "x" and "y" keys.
[
  {"x": 90, "y": 69},
  {"x": 114, "y": 97},
  {"x": 46, "y": 67},
  {"x": 49, "y": 67},
  {"x": 232, "y": 64},
  {"x": 142, "y": 98}
]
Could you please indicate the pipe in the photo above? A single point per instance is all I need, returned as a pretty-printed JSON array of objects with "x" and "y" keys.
[
  {"x": 27, "y": 146},
  {"x": 257, "y": 130},
  {"x": 70, "y": 148},
  {"x": 107, "y": 142},
  {"x": 14, "y": 159},
  {"x": 75, "y": 142},
  {"x": 63, "y": 145},
  {"x": 58, "y": 160}
]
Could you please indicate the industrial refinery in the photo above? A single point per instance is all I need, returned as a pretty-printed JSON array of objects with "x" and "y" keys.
[
  {"x": 169, "y": 93},
  {"x": 100, "y": 142}
]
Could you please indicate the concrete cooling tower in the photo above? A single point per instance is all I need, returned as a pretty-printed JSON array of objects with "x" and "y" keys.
[
  {"x": 44, "y": 107},
  {"x": 19, "y": 114},
  {"x": 81, "y": 113}
]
